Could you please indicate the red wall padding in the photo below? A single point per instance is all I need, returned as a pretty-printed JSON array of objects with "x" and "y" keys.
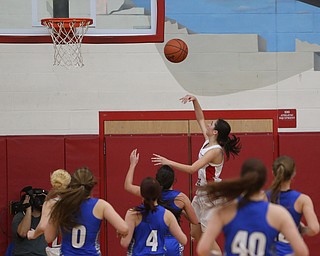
[
  {"x": 3, "y": 197},
  {"x": 28, "y": 160},
  {"x": 118, "y": 152},
  {"x": 305, "y": 150},
  {"x": 83, "y": 151}
]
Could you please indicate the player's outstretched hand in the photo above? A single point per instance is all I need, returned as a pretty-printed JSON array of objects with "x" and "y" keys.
[
  {"x": 159, "y": 160},
  {"x": 187, "y": 98},
  {"x": 134, "y": 157}
]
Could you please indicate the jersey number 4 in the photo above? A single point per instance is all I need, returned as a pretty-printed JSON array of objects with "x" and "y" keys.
[{"x": 152, "y": 240}]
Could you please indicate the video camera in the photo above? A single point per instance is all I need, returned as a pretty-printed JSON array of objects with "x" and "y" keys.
[{"x": 37, "y": 198}]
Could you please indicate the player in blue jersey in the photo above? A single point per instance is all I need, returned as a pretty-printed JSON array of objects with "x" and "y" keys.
[
  {"x": 297, "y": 203},
  {"x": 79, "y": 216},
  {"x": 149, "y": 223},
  {"x": 249, "y": 223},
  {"x": 210, "y": 161},
  {"x": 175, "y": 201}
]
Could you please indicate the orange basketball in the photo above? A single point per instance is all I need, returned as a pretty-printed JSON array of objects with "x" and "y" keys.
[{"x": 176, "y": 50}]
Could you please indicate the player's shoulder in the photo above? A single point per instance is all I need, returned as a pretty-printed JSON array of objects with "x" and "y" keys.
[
  {"x": 102, "y": 204},
  {"x": 277, "y": 211},
  {"x": 275, "y": 207},
  {"x": 168, "y": 216},
  {"x": 278, "y": 216},
  {"x": 227, "y": 212},
  {"x": 305, "y": 199},
  {"x": 214, "y": 151},
  {"x": 182, "y": 196}
]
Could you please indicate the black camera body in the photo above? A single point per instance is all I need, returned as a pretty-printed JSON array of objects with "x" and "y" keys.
[{"x": 37, "y": 198}]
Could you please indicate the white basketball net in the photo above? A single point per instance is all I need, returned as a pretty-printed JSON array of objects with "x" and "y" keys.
[{"x": 67, "y": 38}]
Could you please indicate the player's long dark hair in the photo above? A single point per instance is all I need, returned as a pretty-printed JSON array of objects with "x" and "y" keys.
[
  {"x": 252, "y": 178},
  {"x": 283, "y": 169},
  {"x": 150, "y": 190},
  {"x": 166, "y": 177},
  {"x": 66, "y": 210},
  {"x": 231, "y": 144}
]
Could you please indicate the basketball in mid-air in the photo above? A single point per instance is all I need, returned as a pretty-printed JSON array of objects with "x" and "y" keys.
[{"x": 176, "y": 50}]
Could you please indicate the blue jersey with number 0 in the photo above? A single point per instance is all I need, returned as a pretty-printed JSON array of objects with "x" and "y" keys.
[{"x": 84, "y": 238}]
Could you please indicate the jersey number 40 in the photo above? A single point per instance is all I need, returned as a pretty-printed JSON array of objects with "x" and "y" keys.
[{"x": 249, "y": 244}]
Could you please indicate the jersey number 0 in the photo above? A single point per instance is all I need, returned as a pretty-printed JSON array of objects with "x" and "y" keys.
[{"x": 78, "y": 236}]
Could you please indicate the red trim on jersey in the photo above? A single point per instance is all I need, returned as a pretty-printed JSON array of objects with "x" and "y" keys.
[{"x": 210, "y": 173}]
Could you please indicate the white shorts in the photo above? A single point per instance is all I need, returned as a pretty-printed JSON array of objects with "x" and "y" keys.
[
  {"x": 53, "y": 251},
  {"x": 203, "y": 208}
]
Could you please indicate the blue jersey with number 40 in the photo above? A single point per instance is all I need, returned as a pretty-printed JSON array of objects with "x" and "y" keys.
[{"x": 249, "y": 233}]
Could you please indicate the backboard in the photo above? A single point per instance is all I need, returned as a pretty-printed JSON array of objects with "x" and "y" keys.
[{"x": 114, "y": 21}]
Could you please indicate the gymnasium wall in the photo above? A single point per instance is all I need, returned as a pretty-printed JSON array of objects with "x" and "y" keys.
[
  {"x": 242, "y": 54},
  {"x": 28, "y": 160}
]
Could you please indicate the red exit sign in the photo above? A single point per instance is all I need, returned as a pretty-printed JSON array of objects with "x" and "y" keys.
[{"x": 287, "y": 118}]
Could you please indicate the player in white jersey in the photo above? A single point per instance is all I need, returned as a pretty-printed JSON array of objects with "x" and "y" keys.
[{"x": 210, "y": 162}]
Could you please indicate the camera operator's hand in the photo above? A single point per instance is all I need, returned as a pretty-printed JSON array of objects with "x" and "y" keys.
[
  {"x": 26, "y": 199},
  {"x": 25, "y": 223},
  {"x": 30, "y": 234}
]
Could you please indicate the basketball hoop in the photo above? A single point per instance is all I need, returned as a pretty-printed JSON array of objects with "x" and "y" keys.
[{"x": 67, "y": 35}]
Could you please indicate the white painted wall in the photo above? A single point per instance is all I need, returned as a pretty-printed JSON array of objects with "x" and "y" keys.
[{"x": 37, "y": 98}]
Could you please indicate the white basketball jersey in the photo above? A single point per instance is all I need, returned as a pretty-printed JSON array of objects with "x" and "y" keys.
[{"x": 209, "y": 172}]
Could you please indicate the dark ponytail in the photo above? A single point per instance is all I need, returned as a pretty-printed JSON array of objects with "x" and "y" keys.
[
  {"x": 231, "y": 144},
  {"x": 150, "y": 190},
  {"x": 149, "y": 205}
]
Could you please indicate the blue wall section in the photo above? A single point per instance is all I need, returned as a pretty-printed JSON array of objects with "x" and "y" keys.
[{"x": 280, "y": 22}]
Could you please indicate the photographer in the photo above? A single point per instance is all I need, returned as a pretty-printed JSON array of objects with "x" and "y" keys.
[{"x": 27, "y": 217}]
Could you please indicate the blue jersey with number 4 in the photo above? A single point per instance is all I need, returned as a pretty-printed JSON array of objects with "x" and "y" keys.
[
  {"x": 249, "y": 232},
  {"x": 84, "y": 238},
  {"x": 148, "y": 237}
]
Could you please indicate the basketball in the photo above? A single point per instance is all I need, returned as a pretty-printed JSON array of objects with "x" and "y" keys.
[{"x": 175, "y": 50}]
